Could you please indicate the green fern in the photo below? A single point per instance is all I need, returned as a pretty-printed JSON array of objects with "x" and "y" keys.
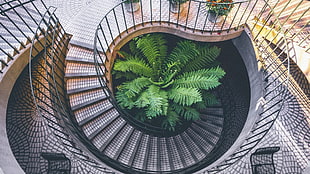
[
  {"x": 127, "y": 75},
  {"x": 171, "y": 120},
  {"x": 154, "y": 100},
  {"x": 188, "y": 113},
  {"x": 134, "y": 65},
  {"x": 123, "y": 100},
  {"x": 184, "y": 96},
  {"x": 166, "y": 86},
  {"x": 153, "y": 47},
  {"x": 206, "y": 56},
  {"x": 191, "y": 114},
  {"x": 209, "y": 99},
  {"x": 217, "y": 72},
  {"x": 183, "y": 53},
  {"x": 135, "y": 86},
  {"x": 195, "y": 81}
]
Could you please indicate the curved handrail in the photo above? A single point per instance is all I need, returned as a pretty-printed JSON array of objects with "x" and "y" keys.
[
  {"x": 281, "y": 80},
  {"x": 110, "y": 28},
  {"x": 103, "y": 42},
  {"x": 49, "y": 96}
]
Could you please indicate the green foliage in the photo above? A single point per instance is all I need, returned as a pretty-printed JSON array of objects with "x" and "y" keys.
[
  {"x": 206, "y": 56},
  {"x": 171, "y": 120},
  {"x": 135, "y": 86},
  {"x": 168, "y": 85},
  {"x": 184, "y": 96},
  {"x": 182, "y": 54},
  {"x": 135, "y": 65}
]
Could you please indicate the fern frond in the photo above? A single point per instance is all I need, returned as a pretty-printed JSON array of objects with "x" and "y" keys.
[
  {"x": 200, "y": 105},
  {"x": 133, "y": 48},
  {"x": 199, "y": 82},
  {"x": 153, "y": 47},
  {"x": 182, "y": 53},
  {"x": 154, "y": 100},
  {"x": 184, "y": 96},
  {"x": 123, "y": 54},
  {"x": 186, "y": 112},
  {"x": 143, "y": 100},
  {"x": 126, "y": 75},
  {"x": 209, "y": 99},
  {"x": 218, "y": 72},
  {"x": 191, "y": 114},
  {"x": 134, "y": 65},
  {"x": 123, "y": 100},
  {"x": 170, "y": 120},
  {"x": 206, "y": 56},
  {"x": 135, "y": 86}
]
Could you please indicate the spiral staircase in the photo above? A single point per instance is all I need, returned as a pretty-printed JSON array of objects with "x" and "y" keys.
[{"x": 61, "y": 102}]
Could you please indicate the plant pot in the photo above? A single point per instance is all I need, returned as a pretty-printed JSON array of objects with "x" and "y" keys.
[
  {"x": 176, "y": 7},
  {"x": 135, "y": 6},
  {"x": 214, "y": 18}
]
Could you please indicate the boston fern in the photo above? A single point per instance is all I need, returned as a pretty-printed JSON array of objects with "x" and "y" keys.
[{"x": 170, "y": 85}]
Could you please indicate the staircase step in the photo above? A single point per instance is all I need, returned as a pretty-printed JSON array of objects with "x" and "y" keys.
[
  {"x": 116, "y": 145},
  {"x": 100, "y": 121},
  {"x": 217, "y": 111},
  {"x": 176, "y": 158},
  {"x": 106, "y": 122},
  {"x": 199, "y": 140},
  {"x": 212, "y": 119},
  {"x": 112, "y": 132},
  {"x": 185, "y": 152},
  {"x": 79, "y": 60},
  {"x": 139, "y": 159},
  {"x": 76, "y": 83},
  {"x": 92, "y": 117},
  {"x": 84, "y": 104},
  {"x": 79, "y": 90},
  {"x": 195, "y": 150},
  {"x": 207, "y": 136},
  {"x": 81, "y": 75},
  {"x": 214, "y": 129},
  {"x": 164, "y": 156},
  {"x": 128, "y": 153}
]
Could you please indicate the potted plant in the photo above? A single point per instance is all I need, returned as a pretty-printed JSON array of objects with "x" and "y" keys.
[
  {"x": 217, "y": 9},
  {"x": 132, "y": 5},
  {"x": 164, "y": 86},
  {"x": 176, "y": 6}
]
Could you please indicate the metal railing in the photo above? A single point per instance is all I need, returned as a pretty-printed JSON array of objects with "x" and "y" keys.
[
  {"x": 47, "y": 72},
  {"x": 271, "y": 42},
  {"x": 49, "y": 90},
  {"x": 16, "y": 32},
  {"x": 158, "y": 12}
]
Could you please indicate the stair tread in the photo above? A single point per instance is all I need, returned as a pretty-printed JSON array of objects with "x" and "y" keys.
[
  {"x": 81, "y": 105},
  {"x": 112, "y": 120},
  {"x": 93, "y": 116},
  {"x": 79, "y": 90}
]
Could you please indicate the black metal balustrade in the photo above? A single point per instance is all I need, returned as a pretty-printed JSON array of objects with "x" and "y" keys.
[
  {"x": 48, "y": 87},
  {"x": 47, "y": 73},
  {"x": 276, "y": 66}
]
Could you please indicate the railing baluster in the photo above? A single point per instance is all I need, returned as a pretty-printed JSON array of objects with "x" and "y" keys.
[
  {"x": 187, "y": 15},
  {"x": 197, "y": 16}
]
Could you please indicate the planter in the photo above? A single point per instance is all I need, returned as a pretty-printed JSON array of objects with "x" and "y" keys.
[
  {"x": 176, "y": 7},
  {"x": 135, "y": 6},
  {"x": 214, "y": 18}
]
